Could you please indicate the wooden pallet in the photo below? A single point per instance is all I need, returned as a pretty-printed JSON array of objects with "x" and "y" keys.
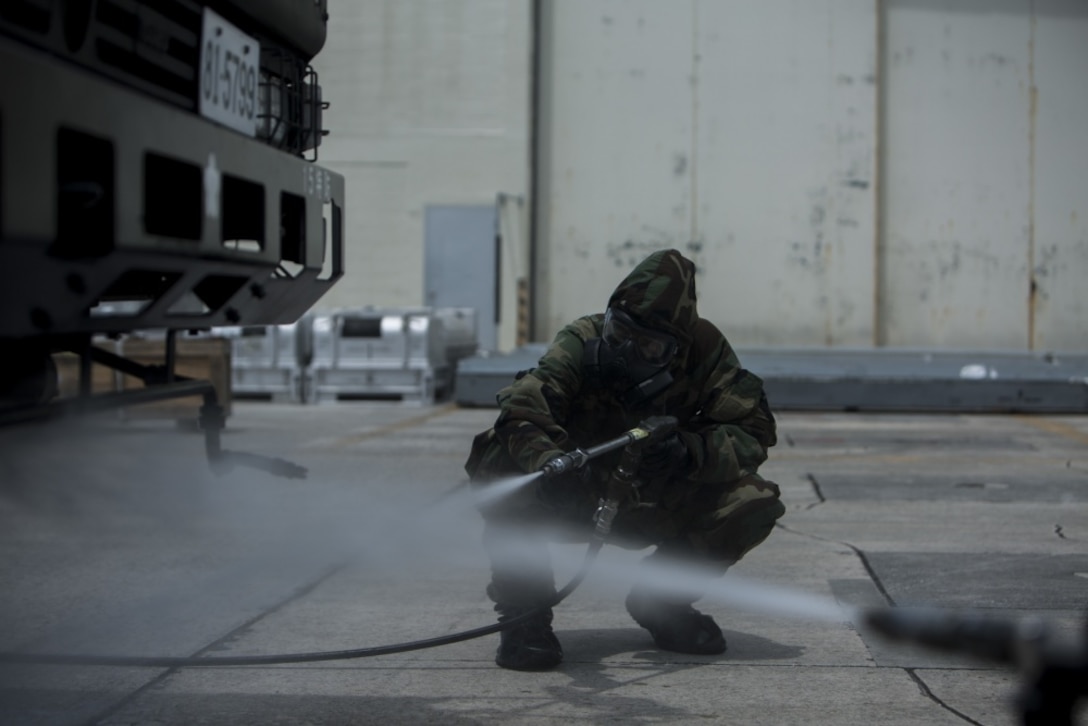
[{"x": 200, "y": 358}]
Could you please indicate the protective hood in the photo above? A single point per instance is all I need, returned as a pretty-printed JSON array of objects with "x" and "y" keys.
[{"x": 660, "y": 294}]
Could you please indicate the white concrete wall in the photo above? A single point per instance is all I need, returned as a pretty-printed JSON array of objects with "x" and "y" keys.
[
  {"x": 785, "y": 154},
  {"x": 957, "y": 174},
  {"x": 986, "y": 151},
  {"x": 844, "y": 172},
  {"x": 1059, "y": 205},
  {"x": 741, "y": 133},
  {"x": 429, "y": 105}
]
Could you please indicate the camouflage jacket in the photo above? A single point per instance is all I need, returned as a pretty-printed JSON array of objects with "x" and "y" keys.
[{"x": 724, "y": 417}]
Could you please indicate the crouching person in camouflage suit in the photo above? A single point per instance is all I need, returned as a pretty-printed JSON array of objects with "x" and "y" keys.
[{"x": 699, "y": 499}]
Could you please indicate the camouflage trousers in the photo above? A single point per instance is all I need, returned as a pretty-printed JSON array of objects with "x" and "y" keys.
[{"x": 711, "y": 527}]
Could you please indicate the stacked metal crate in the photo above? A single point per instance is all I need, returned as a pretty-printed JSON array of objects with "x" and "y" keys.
[
  {"x": 460, "y": 339},
  {"x": 375, "y": 353},
  {"x": 271, "y": 361}
]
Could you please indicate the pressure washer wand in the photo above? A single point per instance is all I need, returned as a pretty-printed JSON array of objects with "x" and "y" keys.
[
  {"x": 652, "y": 429},
  {"x": 622, "y": 479}
]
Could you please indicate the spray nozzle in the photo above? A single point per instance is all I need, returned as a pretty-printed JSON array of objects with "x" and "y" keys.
[{"x": 565, "y": 462}]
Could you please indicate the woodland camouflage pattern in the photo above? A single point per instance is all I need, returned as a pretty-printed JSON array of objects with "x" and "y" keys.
[
  {"x": 712, "y": 513},
  {"x": 724, "y": 417}
]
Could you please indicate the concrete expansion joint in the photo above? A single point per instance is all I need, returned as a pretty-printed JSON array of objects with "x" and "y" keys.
[
  {"x": 221, "y": 642},
  {"x": 877, "y": 583},
  {"x": 816, "y": 490},
  {"x": 924, "y": 689}
]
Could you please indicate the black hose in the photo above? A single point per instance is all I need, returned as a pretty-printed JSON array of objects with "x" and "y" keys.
[{"x": 259, "y": 660}]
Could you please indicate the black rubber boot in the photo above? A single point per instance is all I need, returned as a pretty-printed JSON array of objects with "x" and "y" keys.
[
  {"x": 528, "y": 646},
  {"x": 676, "y": 626}
]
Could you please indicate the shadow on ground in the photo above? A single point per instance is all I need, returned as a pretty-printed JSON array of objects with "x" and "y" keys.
[{"x": 593, "y": 646}]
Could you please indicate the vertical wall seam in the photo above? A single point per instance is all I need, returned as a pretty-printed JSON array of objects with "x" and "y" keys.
[
  {"x": 879, "y": 85},
  {"x": 833, "y": 199},
  {"x": 694, "y": 160},
  {"x": 532, "y": 274},
  {"x": 1033, "y": 102}
]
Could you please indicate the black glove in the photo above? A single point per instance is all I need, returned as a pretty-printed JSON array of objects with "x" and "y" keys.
[{"x": 669, "y": 457}]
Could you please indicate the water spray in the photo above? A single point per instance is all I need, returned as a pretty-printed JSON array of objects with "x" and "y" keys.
[
  {"x": 652, "y": 429},
  {"x": 1055, "y": 670}
]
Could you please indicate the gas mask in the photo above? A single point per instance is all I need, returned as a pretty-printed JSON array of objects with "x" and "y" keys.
[{"x": 629, "y": 358}]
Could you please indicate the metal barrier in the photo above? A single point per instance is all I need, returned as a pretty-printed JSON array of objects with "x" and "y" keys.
[
  {"x": 460, "y": 339},
  {"x": 405, "y": 353},
  {"x": 379, "y": 353},
  {"x": 271, "y": 361}
]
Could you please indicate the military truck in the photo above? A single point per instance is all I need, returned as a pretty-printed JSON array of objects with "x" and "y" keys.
[{"x": 157, "y": 172}]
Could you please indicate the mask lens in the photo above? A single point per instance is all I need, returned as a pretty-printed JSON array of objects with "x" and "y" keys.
[
  {"x": 615, "y": 332},
  {"x": 652, "y": 347}
]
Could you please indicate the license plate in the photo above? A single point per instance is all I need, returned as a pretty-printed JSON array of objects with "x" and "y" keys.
[{"x": 230, "y": 69}]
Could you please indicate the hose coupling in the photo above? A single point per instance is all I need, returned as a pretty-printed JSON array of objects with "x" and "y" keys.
[{"x": 606, "y": 512}]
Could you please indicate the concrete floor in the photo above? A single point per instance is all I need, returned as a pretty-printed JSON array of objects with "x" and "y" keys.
[{"x": 115, "y": 538}]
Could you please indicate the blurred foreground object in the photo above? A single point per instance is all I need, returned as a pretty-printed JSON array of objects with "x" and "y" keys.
[{"x": 1055, "y": 670}]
